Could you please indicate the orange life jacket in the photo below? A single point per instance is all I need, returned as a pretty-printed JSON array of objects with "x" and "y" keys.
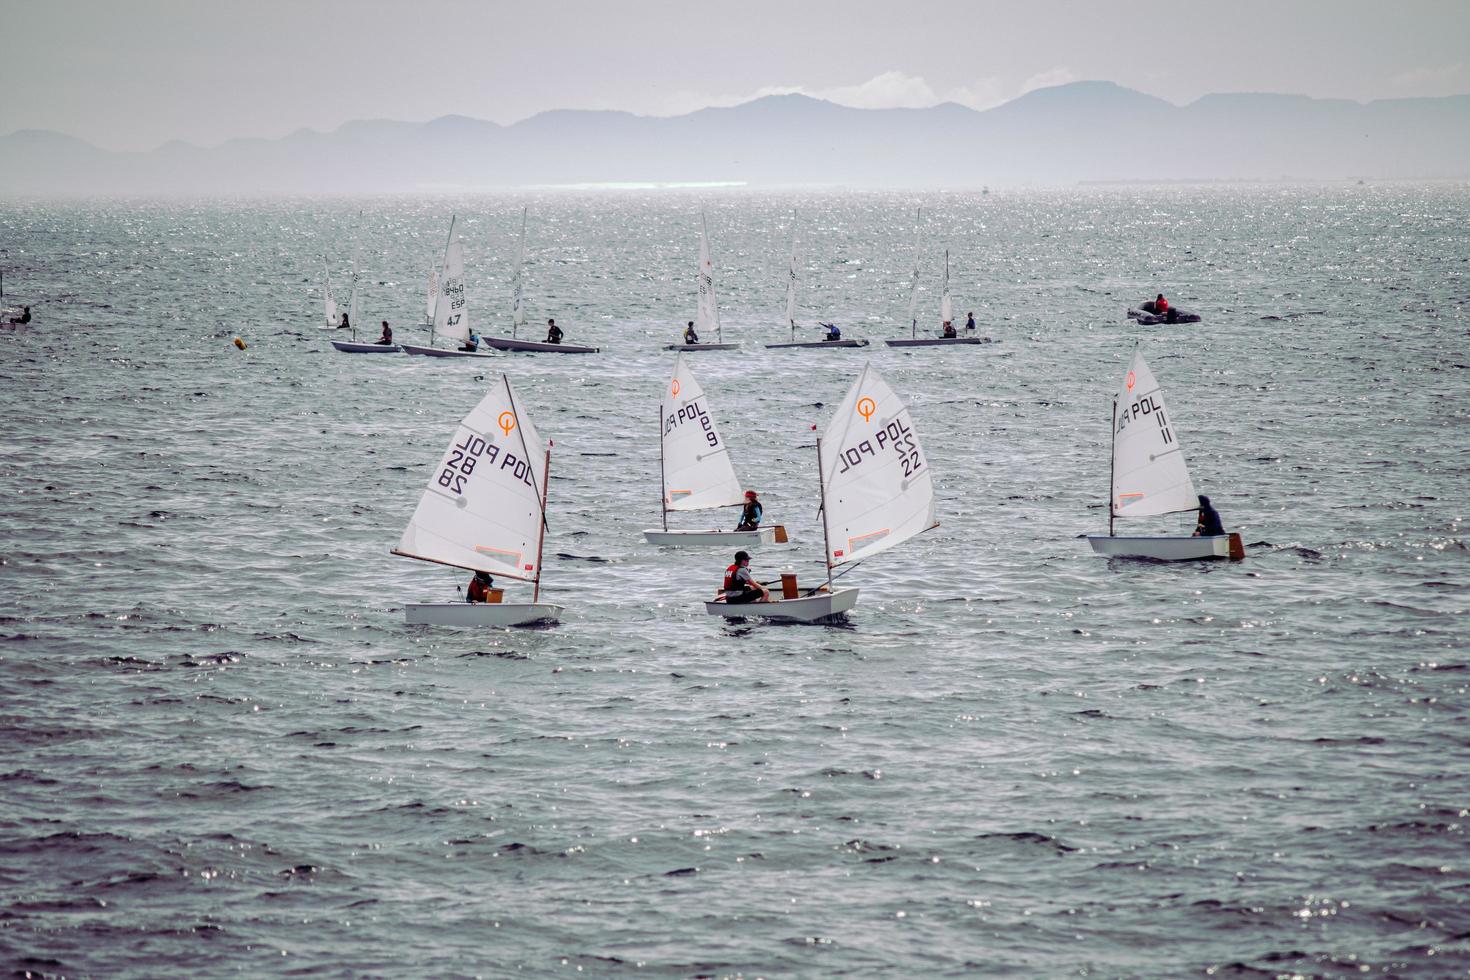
[{"x": 1161, "y": 306}]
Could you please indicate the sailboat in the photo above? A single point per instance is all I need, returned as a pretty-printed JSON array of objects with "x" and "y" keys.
[
  {"x": 876, "y": 492},
  {"x": 334, "y": 317},
  {"x": 451, "y": 311},
  {"x": 1149, "y": 477},
  {"x": 707, "y": 312},
  {"x": 433, "y": 295},
  {"x": 485, "y": 510},
  {"x": 946, "y": 312},
  {"x": 518, "y": 313},
  {"x": 352, "y": 346},
  {"x": 695, "y": 469},
  {"x": 791, "y": 315}
]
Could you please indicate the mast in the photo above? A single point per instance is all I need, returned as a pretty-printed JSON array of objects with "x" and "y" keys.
[
  {"x": 663, "y": 479},
  {"x": 714, "y": 310},
  {"x": 822, "y": 495},
  {"x": 541, "y": 538},
  {"x": 1112, "y": 462},
  {"x": 914, "y": 282},
  {"x": 517, "y": 312},
  {"x": 443, "y": 264}
]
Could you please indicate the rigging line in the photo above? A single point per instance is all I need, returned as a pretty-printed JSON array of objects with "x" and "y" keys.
[{"x": 525, "y": 452}]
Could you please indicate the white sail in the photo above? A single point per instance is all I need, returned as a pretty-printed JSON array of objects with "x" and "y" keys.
[
  {"x": 517, "y": 304},
  {"x": 697, "y": 473},
  {"x": 482, "y": 507},
  {"x": 707, "y": 316},
  {"x": 433, "y": 293},
  {"x": 946, "y": 305},
  {"x": 334, "y": 319},
  {"x": 914, "y": 276},
  {"x": 1149, "y": 473},
  {"x": 352, "y": 297},
  {"x": 451, "y": 315},
  {"x": 875, "y": 477},
  {"x": 791, "y": 287}
]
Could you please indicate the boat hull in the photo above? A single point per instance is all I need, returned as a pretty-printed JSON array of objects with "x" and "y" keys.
[
  {"x": 352, "y": 347},
  {"x": 807, "y": 609},
  {"x": 819, "y": 344},
  {"x": 479, "y": 614},
  {"x": 441, "y": 351},
  {"x": 536, "y": 346},
  {"x": 713, "y": 539},
  {"x": 695, "y": 348},
  {"x": 936, "y": 341},
  {"x": 1167, "y": 548}
]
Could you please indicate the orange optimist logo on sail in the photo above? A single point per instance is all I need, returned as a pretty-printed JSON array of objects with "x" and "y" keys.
[
  {"x": 507, "y": 421},
  {"x": 866, "y": 407}
]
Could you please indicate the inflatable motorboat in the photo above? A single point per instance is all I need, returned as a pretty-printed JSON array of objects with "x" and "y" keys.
[{"x": 1146, "y": 315}]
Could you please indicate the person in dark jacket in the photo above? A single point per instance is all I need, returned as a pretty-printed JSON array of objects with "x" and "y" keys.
[
  {"x": 751, "y": 513},
  {"x": 387, "y": 338},
  {"x": 1208, "y": 525},
  {"x": 24, "y": 318},
  {"x": 690, "y": 337},
  {"x": 553, "y": 332}
]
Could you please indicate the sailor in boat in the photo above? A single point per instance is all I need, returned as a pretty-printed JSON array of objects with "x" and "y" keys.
[
  {"x": 553, "y": 332},
  {"x": 24, "y": 318},
  {"x": 480, "y": 588},
  {"x": 387, "y": 338},
  {"x": 949, "y": 330},
  {"x": 473, "y": 344},
  {"x": 346, "y": 323},
  {"x": 740, "y": 587},
  {"x": 1161, "y": 305},
  {"x": 1209, "y": 524},
  {"x": 832, "y": 332},
  {"x": 751, "y": 513},
  {"x": 970, "y": 323},
  {"x": 690, "y": 337}
]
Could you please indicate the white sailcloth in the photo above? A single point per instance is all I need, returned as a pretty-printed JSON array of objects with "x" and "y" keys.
[
  {"x": 517, "y": 303},
  {"x": 914, "y": 276},
  {"x": 697, "y": 471},
  {"x": 482, "y": 507},
  {"x": 946, "y": 305},
  {"x": 334, "y": 319},
  {"x": 878, "y": 492},
  {"x": 791, "y": 288},
  {"x": 451, "y": 315},
  {"x": 707, "y": 316},
  {"x": 1149, "y": 473},
  {"x": 433, "y": 293},
  {"x": 352, "y": 297}
]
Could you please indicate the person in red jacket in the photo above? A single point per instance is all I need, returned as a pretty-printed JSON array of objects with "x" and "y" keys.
[
  {"x": 1161, "y": 305},
  {"x": 740, "y": 587},
  {"x": 480, "y": 587}
]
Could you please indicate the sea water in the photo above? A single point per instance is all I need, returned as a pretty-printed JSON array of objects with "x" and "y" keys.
[{"x": 222, "y": 751}]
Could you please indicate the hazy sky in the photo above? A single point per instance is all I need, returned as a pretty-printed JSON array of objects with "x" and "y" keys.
[{"x": 131, "y": 74}]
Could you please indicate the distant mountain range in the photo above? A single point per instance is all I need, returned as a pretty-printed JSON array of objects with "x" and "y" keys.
[{"x": 1077, "y": 132}]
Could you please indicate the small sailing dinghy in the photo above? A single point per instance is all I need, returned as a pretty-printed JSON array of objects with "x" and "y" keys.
[
  {"x": 518, "y": 314},
  {"x": 876, "y": 493},
  {"x": 352, "y": 346},
  {"x": 695, "y": 469},
  {"x": 1150, "y": 478},
  {"x": 485, "y": 510},
  {"x": 791, "y": 317},
  {"x": 451, "y": 311},
  {"x": 334, "y": 316},
  {"x": 946, "y": 313},
  {"x": 707, "y": 312}
]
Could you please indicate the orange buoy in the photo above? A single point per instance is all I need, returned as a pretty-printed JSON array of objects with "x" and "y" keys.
[{"x": 239, "y": 343}]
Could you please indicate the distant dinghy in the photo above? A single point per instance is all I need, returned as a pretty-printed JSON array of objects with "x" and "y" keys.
[
  {"x": 1148, "y": 315},
  {"x": 334, "y": 316},
  {"x": 876, "y": 492},
  {"x": 946, "y": 306},
  {"x": 518, "y": 314},
  {"x": 695, "y": 472},
  {"x": 484, "y": 510},
  {"x": 791, "y": 317},
  {"x": 1150, "y": 478},
  {"x": 707, "y": 312},
  {"x": 352, "y": 346},
  {"x": 451, "y": 308}
]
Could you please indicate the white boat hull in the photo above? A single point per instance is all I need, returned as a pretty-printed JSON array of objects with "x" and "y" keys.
[
  {"x": 819, "y": 344},
  {"x": 695, "y": 348},
  {"x": 807, "y": 609},
  {"x": 472, "y": 614},
  {"x": 936, "y": 341},
  {"x": 441, "y": 351},
  {"x": 533, "y": 346},
  {"x": 352, "y": 347},
  {"x": 1162, "y": 548},
  {"x": 711, "y": 539}
]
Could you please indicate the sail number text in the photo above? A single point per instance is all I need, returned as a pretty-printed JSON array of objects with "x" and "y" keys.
[
  {"x": 693, "y": 412},
  {"x": 897, "y": 437},
  {"x": 1142, "y": 408},
  {"x": 474, "y": 451}
]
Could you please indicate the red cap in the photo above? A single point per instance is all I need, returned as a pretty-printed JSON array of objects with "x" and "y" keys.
[{"x": 750, "y": 493}]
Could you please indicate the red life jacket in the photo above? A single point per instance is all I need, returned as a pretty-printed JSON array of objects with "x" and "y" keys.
[
  {"x": 1161, "y": 306},
  {"x": 478, "y": 591},
  {"x": 730, "y": 583}
]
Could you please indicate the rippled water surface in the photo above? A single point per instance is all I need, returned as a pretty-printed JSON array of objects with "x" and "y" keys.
[{"x": 221, "y": 750}]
